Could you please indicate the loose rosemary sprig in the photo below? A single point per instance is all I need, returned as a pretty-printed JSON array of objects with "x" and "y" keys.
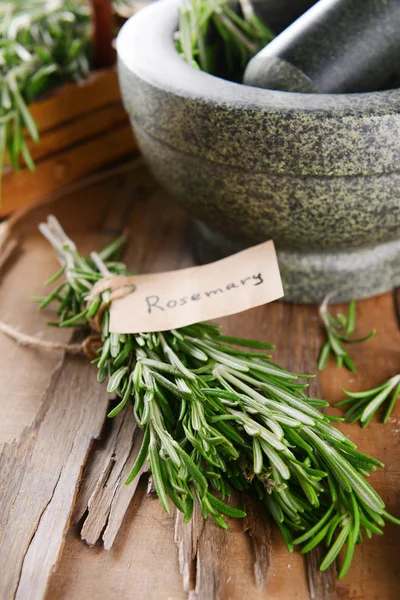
[
  {"x": 211, "y": 33},
  {"x": 217, "y": 415},
  {"x": 366, "y": 403},
  {"x": 338, "y": 331}
]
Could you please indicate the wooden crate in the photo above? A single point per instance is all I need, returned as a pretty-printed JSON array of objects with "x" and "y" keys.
[{"x": 83, "y": 127}]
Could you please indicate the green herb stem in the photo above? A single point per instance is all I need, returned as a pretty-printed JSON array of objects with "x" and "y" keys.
[
  {"x": 338, "y": 330},
  {"x": 366, "y": 403}
]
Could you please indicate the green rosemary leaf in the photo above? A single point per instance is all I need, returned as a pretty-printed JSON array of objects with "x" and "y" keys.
[
  {"x": 189, "y": 510},
  {"x": 324, "y": 356},
  {"x": 245, "y": 343},
  {"x": 349, "y": 363},
  {"x": 123, "y": 402},
  {"x": 171, "y": 387},
  {"x": 141, "y": 457},
  {"x": 113, "y": 250},
  {"x": 27, "y": 158},
  {"x": 391, "y": 518},
  {"x": 52, "y": 296},
  {"x": 163, "y": 367},
  {"x": 195, "y": 473},
  {"x": 75, "y": 319},
  {"x": 351, "y": 318},
  {"x": 55, "y": 276},
  {"x": 336, "y": 547},
  {"x": 211, "y": 30},
  {"x": 392, "y": 403},
  {"x": 115, "y": 379},
  {"x": 220, "y": 521},
  {"x": 225, "y": 509},
  {"x": 157, "y": 478},
  {"x": 365, "y": 338},
  {"x": 351, "y": 541},
  {"x": 286, "y": 536},
  {"x": 319, "y": 536},
  {"x": 257, "y": 456}
]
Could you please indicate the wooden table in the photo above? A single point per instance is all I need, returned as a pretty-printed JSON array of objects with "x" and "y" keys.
[{"x": 62, "y": 465}]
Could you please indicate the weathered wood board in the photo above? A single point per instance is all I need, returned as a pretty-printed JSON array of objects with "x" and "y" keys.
[{"x": 61, "y": 478}]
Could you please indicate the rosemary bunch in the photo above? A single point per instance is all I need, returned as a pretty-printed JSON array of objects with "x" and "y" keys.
[
  {"x": 216, "y": 39},
  {"x": 218, "y": 415},
  {"x": 338, "y": 331},
  {"x": 42, "y": 44}
]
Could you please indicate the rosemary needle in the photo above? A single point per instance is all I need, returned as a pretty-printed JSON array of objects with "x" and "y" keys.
[{"x": 214, "y": 420}]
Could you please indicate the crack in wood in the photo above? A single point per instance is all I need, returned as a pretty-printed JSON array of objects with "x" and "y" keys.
[
  {"x": 34, "y": 533},
  {"x": 258, "y": 527},
  {"x": 20, "y": 593},
  {"x": 187, "y": 536}
]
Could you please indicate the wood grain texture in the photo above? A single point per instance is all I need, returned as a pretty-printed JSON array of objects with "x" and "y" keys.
[
  {"x": 248, "y": 561},
  {"x": 66, "y": 166},
  {"x": 94, "y": 123},
  {"x": 82, "y": 126},
  {"x": 74, "y": 100}
]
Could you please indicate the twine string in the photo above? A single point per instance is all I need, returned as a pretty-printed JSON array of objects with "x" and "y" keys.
[{"x": 120, "y": 286}]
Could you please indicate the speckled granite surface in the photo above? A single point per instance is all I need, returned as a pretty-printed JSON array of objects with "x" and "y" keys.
[{"x": 319, "y": 174}]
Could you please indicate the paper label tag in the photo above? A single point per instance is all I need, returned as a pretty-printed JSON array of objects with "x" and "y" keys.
[{"x": 175, "y": 299}]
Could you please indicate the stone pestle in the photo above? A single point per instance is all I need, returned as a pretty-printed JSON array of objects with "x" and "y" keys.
[
  {"x": 337, "y": 46},
  {"x": 279, "y": 14}
]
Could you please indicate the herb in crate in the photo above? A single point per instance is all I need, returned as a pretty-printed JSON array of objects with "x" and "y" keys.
[{"x": 42, "y": 44}]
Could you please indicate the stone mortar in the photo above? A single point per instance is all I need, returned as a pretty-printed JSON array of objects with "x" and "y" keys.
[{"x": 318, "y": 174}]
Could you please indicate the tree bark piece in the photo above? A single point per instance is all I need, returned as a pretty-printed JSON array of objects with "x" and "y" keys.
[
  {"x": 40, "y": 487},
  {"x": 104, "y": 495}
]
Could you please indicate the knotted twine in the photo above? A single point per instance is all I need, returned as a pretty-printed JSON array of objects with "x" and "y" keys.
[{"x": 120, "y": 286}]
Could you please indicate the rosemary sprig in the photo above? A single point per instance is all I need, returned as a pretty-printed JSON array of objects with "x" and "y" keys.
[
  {"x": 211, "y": 33},
  {"x": 338, "y": 331},
  {"x": 217, "y": 417},
  {"x": 366, "y": 403}
]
